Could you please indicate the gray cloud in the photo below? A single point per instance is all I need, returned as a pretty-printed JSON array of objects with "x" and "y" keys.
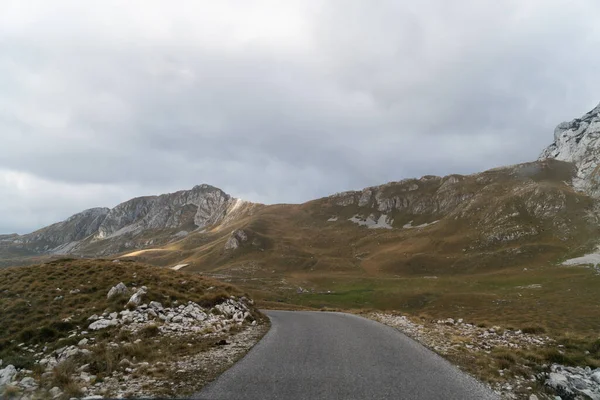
[{"x": 276, "y": 101}]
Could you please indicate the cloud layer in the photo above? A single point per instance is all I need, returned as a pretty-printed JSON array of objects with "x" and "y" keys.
[{"x": 276, "y": 101}]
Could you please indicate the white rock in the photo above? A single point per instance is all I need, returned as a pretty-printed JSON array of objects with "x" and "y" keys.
[
  {"x": 136, "y": 299},
  {"x": 7, "y": 374},
  {"x": 557, "y": 381},
  {"x": 116, "y": 290},
  {"x": 102, "y": 323},
  {"x": 55, "y": 392},
  {"x": 156, "y": 306},
  {"x": 83, "y": 342},
  {"x": 28, "y": 383},
  {"x": 596, "y": 376}
]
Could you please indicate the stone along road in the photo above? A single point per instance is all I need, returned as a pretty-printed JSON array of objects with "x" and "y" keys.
[{"x": 318, "y": 355}]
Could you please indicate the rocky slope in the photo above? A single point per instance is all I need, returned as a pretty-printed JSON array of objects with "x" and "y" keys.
[
  {"x": 578, "y": 142},
  {"x": 145, "y": 336},
  {"x": 143, "y": 221},
  {"x": 532, "y": 204}
]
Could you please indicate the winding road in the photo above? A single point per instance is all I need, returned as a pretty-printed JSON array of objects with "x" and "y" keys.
[{"x": 321, "y": 355}]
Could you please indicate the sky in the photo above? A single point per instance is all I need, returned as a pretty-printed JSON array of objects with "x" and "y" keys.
[{"x": 276, "y": 101}]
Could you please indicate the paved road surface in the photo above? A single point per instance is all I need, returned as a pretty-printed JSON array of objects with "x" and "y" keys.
[{"x": 317, "y": 355}]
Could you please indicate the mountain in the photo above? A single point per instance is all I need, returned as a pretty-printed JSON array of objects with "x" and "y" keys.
[
  {"x": 360, "y": 247},
  {"x": 578, "y": 142},
  {"x": 133, "y": 224}
]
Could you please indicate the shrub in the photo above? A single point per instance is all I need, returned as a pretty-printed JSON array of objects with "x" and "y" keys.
[
  {"x": 19, "y": 360},
  {"x": 149, "y": 331},
  {"x": 534, "y": 329}
]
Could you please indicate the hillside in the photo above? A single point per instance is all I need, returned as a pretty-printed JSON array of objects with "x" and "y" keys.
[
  {"x": 398, "y": 245},
  {"x": 79, "y": 328},
  {"x": 134, "y": 224}
]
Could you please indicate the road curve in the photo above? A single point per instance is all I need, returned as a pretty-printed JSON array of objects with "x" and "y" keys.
[{"x": 319, "y": 355}]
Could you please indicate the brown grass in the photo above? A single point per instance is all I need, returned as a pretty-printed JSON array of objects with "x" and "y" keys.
[{"x": 31, "y": 315}]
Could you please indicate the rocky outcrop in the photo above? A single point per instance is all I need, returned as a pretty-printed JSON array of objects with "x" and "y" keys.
[
  {"x": 233, "y": 318},
  {"x": 570, "y": 382},
  {"x": 236, "y": 239},
  {"x": 202, "y": 206},
  {"x": 578, "y": 141},
  {"x": 119, "y": 289},
  {"x": 137, "y": 297}
]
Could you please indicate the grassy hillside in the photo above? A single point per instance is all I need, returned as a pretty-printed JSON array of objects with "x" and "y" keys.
[
  {"x": 45, "y": 310},
  {"x": 484, "y": 239}
]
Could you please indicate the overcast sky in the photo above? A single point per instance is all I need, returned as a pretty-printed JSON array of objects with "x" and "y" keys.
[{"x": 276, "y": 101}]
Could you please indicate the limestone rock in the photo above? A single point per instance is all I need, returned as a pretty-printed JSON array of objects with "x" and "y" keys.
[
  {"x": 55, "y": 392},
  {"x": 28, "y": 383},
  {"x": 137, "y": 297},
  {"x": 102, "y": 324},
  {"x": 236, "y": 239},
  {"x": 119, "y": 289},
  {"x": 7, "y": 374},
  {"x": 578, "y": 141}
]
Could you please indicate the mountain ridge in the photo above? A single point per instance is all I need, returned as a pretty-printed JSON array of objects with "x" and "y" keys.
[
  {"x": 185, "y": 210},
  {"x": 511, "y": 202}
]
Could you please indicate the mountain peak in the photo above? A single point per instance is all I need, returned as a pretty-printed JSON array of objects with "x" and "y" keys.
[{"x": 578, "y": 141}]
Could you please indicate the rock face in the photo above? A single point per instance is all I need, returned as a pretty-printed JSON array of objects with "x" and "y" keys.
[
  {"x": 578, "y": 141},
  {"x": 104, "y": 231},
  {"x": 203, "y": 205},
  {"x": 60, "y": 237}
]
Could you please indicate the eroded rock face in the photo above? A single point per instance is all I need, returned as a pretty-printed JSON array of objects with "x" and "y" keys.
[
  {"x": 578, "y": 141},
  {"x": 203, "y": 205},
  {"x": 170, "y": 216}
]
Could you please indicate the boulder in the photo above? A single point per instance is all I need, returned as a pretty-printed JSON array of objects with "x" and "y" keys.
[
  {"x": 558, "y": 382},
  {"x": 596, "y": 376},
  {"x": 116, "y": 290},
  {"x": 55, "y": 392},
  {"x": 28, "y": 383},
  {"x": 136, "y": 299},
  {"x": 7, "y": 375},
  {"x": 156, "y": 306},
  {"x": 102, "y": 323}
]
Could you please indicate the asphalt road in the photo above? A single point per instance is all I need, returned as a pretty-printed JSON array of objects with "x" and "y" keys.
[{"x": 318, "y": 355}]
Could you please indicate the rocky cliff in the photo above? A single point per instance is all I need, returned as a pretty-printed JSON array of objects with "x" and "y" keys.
[
  {"x": 578, "y": 142},
  {"x": 139, "y": 222},
  {"x": 202, "y": 206}
]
